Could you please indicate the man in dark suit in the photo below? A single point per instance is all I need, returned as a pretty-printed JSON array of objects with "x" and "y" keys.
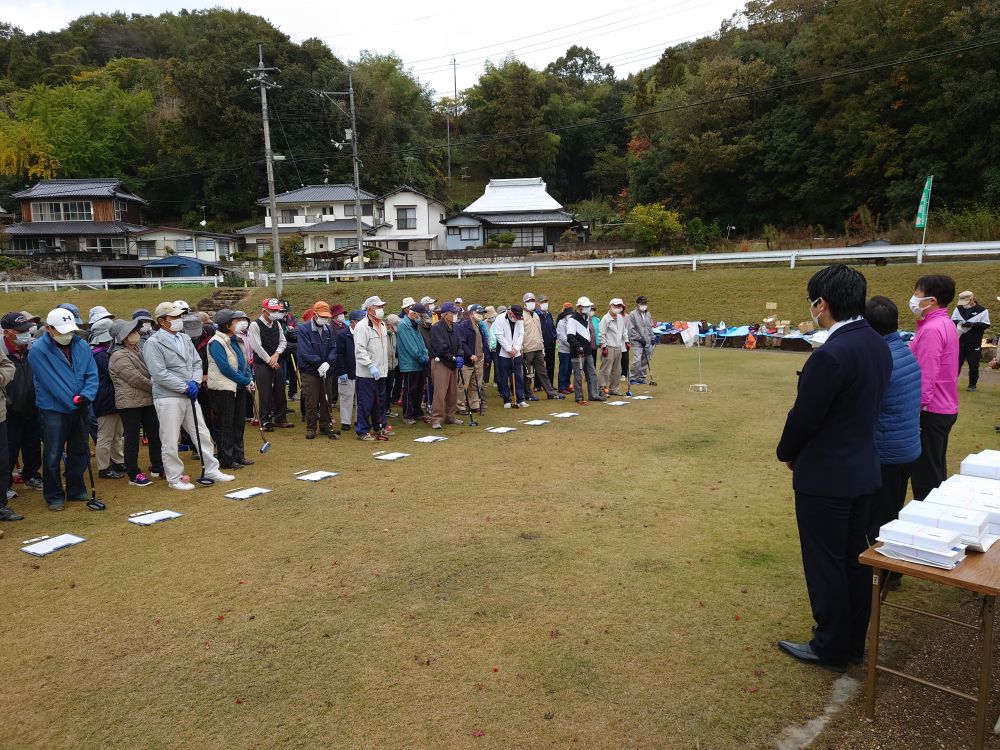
[{"x": 829, "y": 444}]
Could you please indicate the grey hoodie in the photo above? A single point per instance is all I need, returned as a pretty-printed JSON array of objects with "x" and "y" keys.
[{"x": 170, "y": 370}]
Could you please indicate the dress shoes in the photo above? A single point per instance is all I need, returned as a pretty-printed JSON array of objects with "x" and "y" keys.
[{"x": 803, "y": 652}]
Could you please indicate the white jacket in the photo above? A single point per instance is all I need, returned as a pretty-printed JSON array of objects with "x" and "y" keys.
[
  {"x": 371, "y": 347},
  {"x": 614, "y": 331},
  {"x": 502, "y": 333}
]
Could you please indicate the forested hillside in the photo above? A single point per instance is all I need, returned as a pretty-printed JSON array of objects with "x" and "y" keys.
[{"x": 796, "y": 113}]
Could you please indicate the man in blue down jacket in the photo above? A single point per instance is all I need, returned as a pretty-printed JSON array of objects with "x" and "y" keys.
[
  {"x": 65, "y": 385},
  {"x": 474, "y": 345},
  {"x": 897, "y": 434},
  {"x": 316, "y": 350}
]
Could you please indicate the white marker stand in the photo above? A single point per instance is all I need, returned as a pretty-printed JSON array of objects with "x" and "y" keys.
[{"x": 698, "y": 387}]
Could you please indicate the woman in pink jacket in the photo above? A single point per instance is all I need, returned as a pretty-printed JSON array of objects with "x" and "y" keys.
[{"x": 936, "y": 349}]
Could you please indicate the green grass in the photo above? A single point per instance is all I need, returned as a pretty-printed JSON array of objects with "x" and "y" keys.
[{"x": 614, "y": 580}]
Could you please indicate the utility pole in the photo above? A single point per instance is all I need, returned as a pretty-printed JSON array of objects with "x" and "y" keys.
[
  {"x": 259, "y": 74},
  {"x": 352, "y": 134},
  {"x": 454, "y": 104}
]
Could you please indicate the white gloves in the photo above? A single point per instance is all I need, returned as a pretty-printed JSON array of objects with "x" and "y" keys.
[{"x": 323, "y": 369}]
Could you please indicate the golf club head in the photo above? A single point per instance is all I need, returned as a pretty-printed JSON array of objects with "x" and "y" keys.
[
  {"x": 205, "y": 481},
  {"x": 95, "y": 504},
  {"x": 265, "y": 447}
]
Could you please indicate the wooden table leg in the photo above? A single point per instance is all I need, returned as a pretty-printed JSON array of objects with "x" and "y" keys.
[
  {"x": 873, "y": 630},
  {"x": 985, "y": 670}
]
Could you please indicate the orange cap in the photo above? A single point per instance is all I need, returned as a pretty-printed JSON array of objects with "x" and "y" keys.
[{"x": 322, "y": 308}]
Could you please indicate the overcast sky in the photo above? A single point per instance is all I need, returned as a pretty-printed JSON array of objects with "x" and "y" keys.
[{"x": 629, "y": 37}]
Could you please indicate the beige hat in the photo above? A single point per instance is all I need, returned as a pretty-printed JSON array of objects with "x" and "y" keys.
[
  {"x": 616, "y": 302},
  {"x": 374, "y": 301},
  {"x": 407, "y": 302},
  {"x": 168, "y": 308},
  {"x": 584, "y": 302},
  {"x": 966, "y": 297}
]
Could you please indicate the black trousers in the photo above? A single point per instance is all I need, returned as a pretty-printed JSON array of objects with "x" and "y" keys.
[
  {"x": 271, "y": 391},
  {"x": 315, "y": 400},
  {"x": 888, "y": 500},
  {"x": 230, "y": 411},
  {"x": 395, "y": 385},
  {"x": 413, "y": 394},
  {"x": 550, "y": 364},
  {"x": 132, "y": 420},
  {"x": 4, "y": 466},
  {"x": 932, "y": 468},
  {"x": 971, "y": 353},
  {"x": 24, "y": 437},
  {"x": 832, "y": 535}
]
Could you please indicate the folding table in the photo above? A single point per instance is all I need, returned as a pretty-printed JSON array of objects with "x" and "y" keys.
[{"x": 978, "y": 573}]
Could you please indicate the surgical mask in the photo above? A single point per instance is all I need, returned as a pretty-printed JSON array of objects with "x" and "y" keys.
[
  {"x": 322, "y": 321},
  {"x": 585, "y": 310},
  {"x": 529, "y": 306},
  {"x": 915, "y": 307},
  {"x": 478, "y": 317},
  {"x": 340, "y": 318},
  {"x": 379, "y": 313},
  {"x": 23, "y": 339},
  {"x": 544, "y": 306},
  {"x": 643, "y": 308},
  {"x": 241, "y": 326},
  {"x": 145, "y": 328},
  {"x": 177, "y": 325},
  {"x": 133, "y": 338},
  {"x": 276, "y": 315},
  {"x": 63, "y": 339}
]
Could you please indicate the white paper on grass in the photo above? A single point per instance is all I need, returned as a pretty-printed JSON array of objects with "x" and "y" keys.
[
  {"x": 641, "y": 398},
  {"x": 536, "y": 422},
  {"x": 564, "y": 414},
  {"x": 148, "y": 519},
  {"x": 247, "y": 493},
  {"x": 52, "y": 544},
  {"x": 317, "y": 476},
  {"x": 430, "y": 439},
  {"x": 500, "y": 430},
  {"x": 616, "y": 403},
  {"x": 395, "y": 456}
]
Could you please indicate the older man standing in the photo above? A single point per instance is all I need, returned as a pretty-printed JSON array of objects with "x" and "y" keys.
[
  {"x": 446, "y": 360},
  {"x": 534, "y": 349},
  {"x": 613, "y": 341},
  {"x": 267, "y": 340},
  {"x": 640, "y": 336},
  {"x": 317, "y": 353},
  {"x": 972, "y": 320},
  {"x": 175, "y": 371},
  {"x": 371, "y": 355},
  {"x": 508, "y": 330}
]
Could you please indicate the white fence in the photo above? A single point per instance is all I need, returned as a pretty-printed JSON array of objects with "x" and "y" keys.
[
  {"x": 57, "y": 284},
  {"x": 916, "y": 253}
]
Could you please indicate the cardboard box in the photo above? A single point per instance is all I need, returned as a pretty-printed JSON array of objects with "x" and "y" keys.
[
  {"x": 968, "y": 501},
  {"x": 805, "y": 327},
  {"x": 968, "y": 522},
  {"x": 983, "y": 464},
  {"x": 920, "y": 537},
  {"x": 979, "y": 485}
]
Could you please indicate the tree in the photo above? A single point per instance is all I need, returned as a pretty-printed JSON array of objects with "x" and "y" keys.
[
  {"x": 653, "y": 225},
  {"x": 24, "y": 150},
  {"x": 292, "y": 254}
]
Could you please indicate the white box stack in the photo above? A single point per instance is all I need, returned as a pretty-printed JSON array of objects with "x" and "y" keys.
[{"x": 926, "y": 545}]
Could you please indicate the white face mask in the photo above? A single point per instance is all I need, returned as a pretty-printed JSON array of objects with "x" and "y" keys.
[
  {"x": 643, "y": 308},
  {"x": 478, "y": 316},
  {"x": 544, "y": 306},
  {"x": 529, "y": 306},
  {"x": 23, "y": 339},
  {"x": 145, "y": 328},
  {"x": 379, "y": 313},
  {"x": 915, "y": 307},
  {"x": 63, "y": 339},
  {"x": 815, "y": 318},
  {"x": 241, "y": 326},
  {"x": 177, "y": 325},
  {"x": 275, "y": 315},
  {"x": 322, "y": 321},
  {"x": 340, "y": 318},
  {"x": 585, "y": 310}
]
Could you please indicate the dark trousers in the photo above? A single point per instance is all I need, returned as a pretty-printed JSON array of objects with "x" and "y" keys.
[
  {"x": 625, "y": 364},
  {"x": 5, "y": 465},
  {"x": 565, "y": 370},
  {"x": 972, "y": 354},
  {"x": 887, "y": 500},
  {"x": 373, "y": 403},
  {"x": 549, "y": 355},
  {"x": 932, "y": 468},
  {"x": 271, "y": 390},
  {"x": 291, "y": 374},
  {"x": 24, "y": 437},
  {"x": 428, "y": 386},
  {"x": 395, "y": 386},
  {"x": 132, "y": 420},
  {"x": 832, "y": 535},
  {"x": 228, "y": 408},
  {"x": 63, "y": 432},
  {"x": 505, "y": 368},
  {"x": 316, "y": 401},
  {"x": 413, "y": 393}
]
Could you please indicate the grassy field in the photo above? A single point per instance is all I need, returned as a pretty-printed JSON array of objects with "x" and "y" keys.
[
  {"x": 735, "y": 295},
  {"x": 614, "y": 580}
]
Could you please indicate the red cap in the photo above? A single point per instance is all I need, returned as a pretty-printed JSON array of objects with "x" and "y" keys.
[{"x": 271, "y": 304}]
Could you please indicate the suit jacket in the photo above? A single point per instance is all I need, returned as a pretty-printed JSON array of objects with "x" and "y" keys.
[{"x": 830, "y": 432}]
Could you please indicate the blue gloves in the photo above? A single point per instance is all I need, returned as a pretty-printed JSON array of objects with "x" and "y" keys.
[
  {"x": 192, "y": 390},
  {"x": 459, "y": 362},
  {"x": 343, "y": 378},
  {"x": 424, "y": 360},
  {"x": 374, "y": 371}
]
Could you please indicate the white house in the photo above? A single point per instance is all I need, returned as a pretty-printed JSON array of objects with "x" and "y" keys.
[
  {"x": 210, "y": 247},
  {"x": 522, "y": 206},
  {"x": 413, "y": 225}
]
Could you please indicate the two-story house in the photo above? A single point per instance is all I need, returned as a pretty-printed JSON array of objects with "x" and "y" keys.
[
  {"x": 76, "y": 218},
  {"x": 413, "y": 225}
]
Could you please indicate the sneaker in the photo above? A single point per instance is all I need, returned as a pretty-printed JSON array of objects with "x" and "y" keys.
[
  {"x": 325, "y": 429},
  {"x": 35, "y": 483},
  {"x": 391, "y": 414},
  {"x": 506, "y": 405},
  {"x": 381, "y": 436},
  {"x": 120, "y": 468},
  {"x": 231, "y": 467},
  {"x": 532, "y": 398},
  {"x": 599, "y": 398},
  {"x": 454, "y": 421},
  {"x": 366, "y": 436},
  {"x": 6, "y": 514},
  {"x": 565, "y": 391},
  {"x": 11, "y": 494},
  {"x": 345, "y": 427},
  {"x": 57, "y": 506},
  {"x": 523, "y": 404},
  {"x": 310, "y": 434},
  {"x": 140, "y": 480},
  {"x": 244, "y": 462},
  {"x": 156, "y": 473},
  {"x": 387, "y": 430},
  {"x": 218, "y": 476},
  {"x": 581, "y": 402},
  {"x": 409, "y": 421},
  {"x": 181, "y": 486},
  {"x": 109, "y": 473},
  {"x": 284, "y": 425},
  {"x": 971, "y": 389},
  {"x": 254, "y": 422},
  {"x": 556, "y": 397},
  {"x": 435, "y": 425}
]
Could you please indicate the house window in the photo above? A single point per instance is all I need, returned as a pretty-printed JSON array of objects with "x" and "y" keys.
[
  {"x": 105, "y": 245},
  {"x": 288, "y": 215},
  {"x": 146, "y": 248},
  {"x": 263, "y": 248},
  {"x": 406, "y": 217},
  {"x": 68, "y": 211},
  {"x": 454, "y": 231},
  {"x": 184, "y": 246},
  {"x": 32, "y": 244},
  {"x": 340, "y": 243},
  {"x": 469, "y": 233},
  {"x": 120, "y": 210},
  {"x": 366, "y": 209},
  {"x": 206, "y": 245}
]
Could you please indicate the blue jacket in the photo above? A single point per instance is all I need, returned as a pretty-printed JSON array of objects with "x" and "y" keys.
[
  {"x": 410, "y": 347},
  {"x": 548, "y": 328},
  {"x": 56, "y": 381},
  {"x": 829, "y": 434},
  {"x": 104, "y": 404},
  {"x": 345, "y": 363},
  {"x": 243, "y": 375},
  {"x": 467, "y": 330},
  {"x": 897, "y": 435},
  {"x": 314, "y": 347}
]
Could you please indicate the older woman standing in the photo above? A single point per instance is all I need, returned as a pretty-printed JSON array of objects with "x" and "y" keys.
[
  {"x": 134, "y": 399},
  {"x": 229, "y": 378}
]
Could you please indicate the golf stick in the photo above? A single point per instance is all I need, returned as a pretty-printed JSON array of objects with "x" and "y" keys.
[
  {"x": 427, "y": 387},
  {"x": 462, "y": 384},
  {"x": 628, "y": 375},
  {"x": 93, "y": 503},
  {"x": 513, "y": 388},
  {"x": 649, "y": 366},
  {"x": 380, "y": 435},
  {"x": 334, "y": 434},
  {"x": 202, "y": 480},
  {"x": 266, "y": 444}
]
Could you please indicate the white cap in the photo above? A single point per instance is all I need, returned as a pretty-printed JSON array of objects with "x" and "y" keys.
[
  {"x": 584, "y": 302},
  {"x": 616, "y": 302},
  {"x": 407, "y": 301},
  {"x": 375, "y": 301},
  {"x": 183, "y": 305},
  {"x": 528, "y": 297},
  {"x": 458, "y": 300},
  {"x": 98, "y": 313},
  {"x": 62, "y": 320},
  {"x": 427, "y": 300}
]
